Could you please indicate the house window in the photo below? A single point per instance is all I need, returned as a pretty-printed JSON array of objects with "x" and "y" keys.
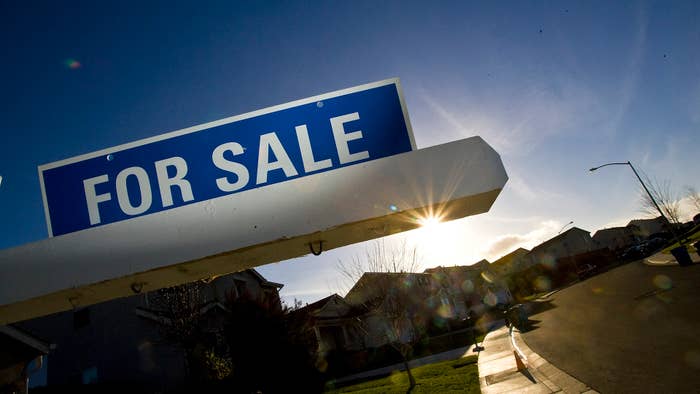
[{"x": 81, "y": 318}]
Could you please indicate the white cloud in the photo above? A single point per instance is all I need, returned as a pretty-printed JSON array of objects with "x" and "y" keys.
[
  {"x": 688, "y": 209},
  {"x": 504, "y": 244}
]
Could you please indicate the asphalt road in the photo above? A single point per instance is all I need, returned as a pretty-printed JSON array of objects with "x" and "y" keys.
[{"x": 634, "y": 329}]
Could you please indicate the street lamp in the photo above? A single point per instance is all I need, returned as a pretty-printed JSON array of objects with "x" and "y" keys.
[
  {"x": 562, "y": 229},
  {"x": 653, "y": 200}
]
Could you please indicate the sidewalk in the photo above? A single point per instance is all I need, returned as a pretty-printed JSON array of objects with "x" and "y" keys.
[
  {"x": 667, "y": 259},
  {"x": 499, "y": 371}
]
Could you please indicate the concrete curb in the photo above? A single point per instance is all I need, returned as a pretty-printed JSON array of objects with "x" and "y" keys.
[
  {"x": 667, "y": 259},
  {"x": 499, "y": 372}
]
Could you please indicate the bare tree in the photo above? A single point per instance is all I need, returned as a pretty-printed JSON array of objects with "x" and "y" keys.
[
  {"x": 180, "y": 311},
  {"x": 385, "y": 297},
  {"x": 668, "y": 201},
  {"x": 378, "y": 258},
  {"x": 692, "y": 194}
]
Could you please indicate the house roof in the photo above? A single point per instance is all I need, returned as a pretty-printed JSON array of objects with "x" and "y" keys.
[
  {"x": 611, "y": 230},
  {"x": 456, "y": 275},
  {"x": 476, "y": 267},
  {"x": 26, "y": 338},
  {"x": 555, "y": 239},
  {"x": 263, "y": 281},
  {"x": 318, "y": 309},
  {"x": 379, "y": 282},
  {"x": 510, "y": 257},
  {"x": 316, "y": 305},
  {"x": 638, "y": 222}
]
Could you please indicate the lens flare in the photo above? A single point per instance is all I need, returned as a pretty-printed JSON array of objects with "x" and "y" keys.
[
  {"x": 662, "y": 282},
  {"x": 542, "y": 283},
  {"x": 490, "y": 299},
  {"x": 692, "y": 358},
  {"x": 322, "y": 364},
  {"x": 467, "y": 286},
  {"x": 439, "y": 322},
  {"x": 646, "y": 309},
  {"x": 445, "y": 311},
  {"x": 72, "y": 64},
  {"x": 549, "y": 262}
]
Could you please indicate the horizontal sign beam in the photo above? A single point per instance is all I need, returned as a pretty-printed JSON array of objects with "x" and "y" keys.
[{"x": 259, "y": 226}]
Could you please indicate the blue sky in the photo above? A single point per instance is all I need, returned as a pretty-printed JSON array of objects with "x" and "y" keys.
[{"x": 554, "y": 87}]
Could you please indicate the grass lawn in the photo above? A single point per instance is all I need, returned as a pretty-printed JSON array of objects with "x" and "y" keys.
[
  {"x": 455, "y": 376},
  {"x": 693, "y": 238}
]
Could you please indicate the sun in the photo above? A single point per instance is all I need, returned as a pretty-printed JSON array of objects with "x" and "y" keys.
[
  {"x": 431, "y": 235},
  {"x": 430, "y": 222}
]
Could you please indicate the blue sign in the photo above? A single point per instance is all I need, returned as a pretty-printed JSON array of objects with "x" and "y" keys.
[{"x": 228, "y": 156}]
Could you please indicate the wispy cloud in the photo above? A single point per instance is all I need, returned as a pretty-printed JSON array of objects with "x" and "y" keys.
[
  {"x": 506, "y": 243},
  {"x": 630, "y": 80},
  {"x": 527, "y": 190},
  {"x": 694, "y": 104},
  {"x": 517, "y": 121},
  {"x": 619, "y": 222}
]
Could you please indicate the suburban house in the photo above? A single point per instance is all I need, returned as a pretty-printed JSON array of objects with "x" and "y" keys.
[
  {"x": 398, "y": 306},
  {"x": 558, "y": 261},
  {"x": 122, "y": 341},
  {"x": 335, "y": 323},
  {"x": 20, "y": 354},
  {"x": 569, "y": 243},
  {"x": 643, "y": 228},
  {"x": 616, "y": 238},
  {"x": 509, "y": 264},
  {"x": 473, "y": 287}
]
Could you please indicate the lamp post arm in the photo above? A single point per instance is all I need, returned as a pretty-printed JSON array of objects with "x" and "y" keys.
[
  {"x": 609, "y": 164},
  {"x": 653, "y": 200},
  {"x": 562, "y": 229}
]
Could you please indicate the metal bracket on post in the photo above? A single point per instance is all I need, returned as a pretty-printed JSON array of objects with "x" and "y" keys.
[
  {"x": 320, "y": 248},
  {"x": 136, "y": 287}
]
